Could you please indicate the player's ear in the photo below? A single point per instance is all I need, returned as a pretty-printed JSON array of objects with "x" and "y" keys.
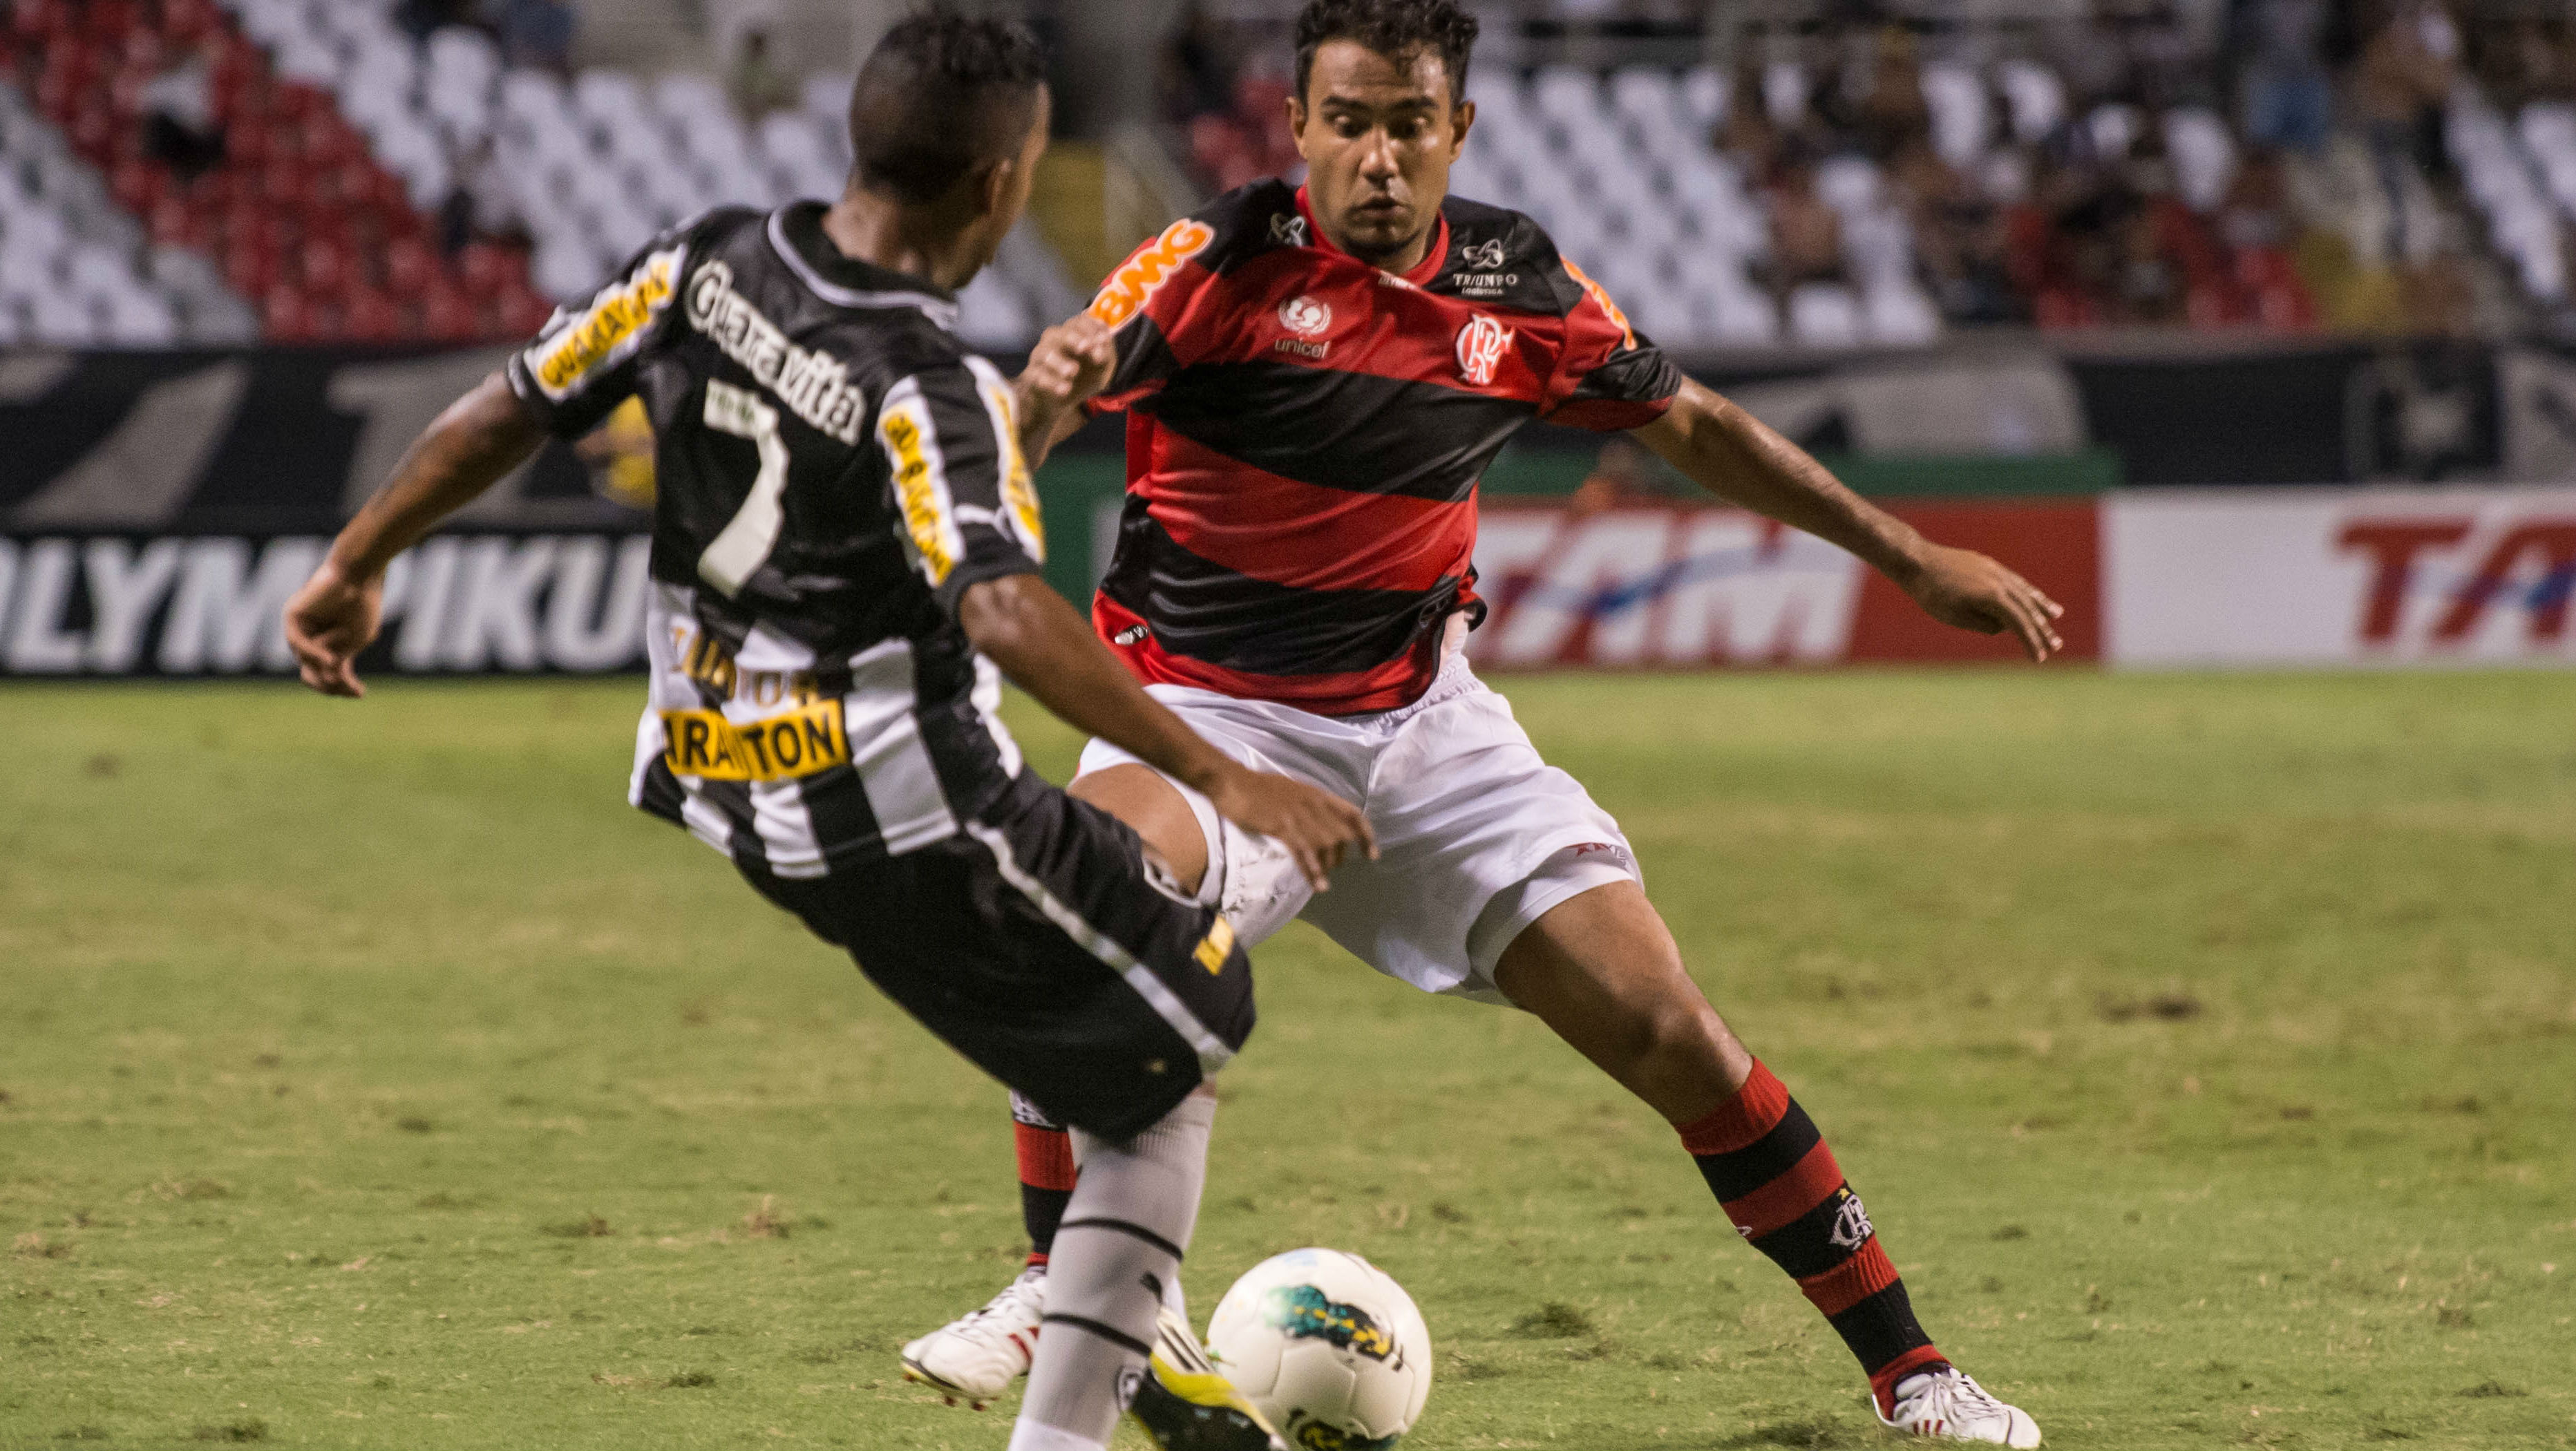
[
  {"x": 1296, "y": 105},
  {"x": 1462, "y": 119},
  {"x": 993, "y": 181}
]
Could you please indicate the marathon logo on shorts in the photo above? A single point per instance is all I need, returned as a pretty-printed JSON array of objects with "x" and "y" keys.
[
  {"x": 1213, "y": 948},
  {"x": 1132, "y": 286},
  {"x": 608, "y": 328},
  {"x": 801, "y": 742},
  {"x": 1481, "y": 344}
]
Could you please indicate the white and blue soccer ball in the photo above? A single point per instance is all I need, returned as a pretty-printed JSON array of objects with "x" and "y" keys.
[{"x": 1326, "y": 1345}]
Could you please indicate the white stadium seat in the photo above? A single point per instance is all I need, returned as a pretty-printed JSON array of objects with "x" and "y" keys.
[{"x": 1824, "y": 315}]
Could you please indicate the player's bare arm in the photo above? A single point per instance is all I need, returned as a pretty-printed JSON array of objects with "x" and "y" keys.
[
  {"x": 1737, "y": 457},
  {"x": 1021, "y": 624},
  {"x": 473, "y": 445},
  {"x": 1068, "y": 368}
]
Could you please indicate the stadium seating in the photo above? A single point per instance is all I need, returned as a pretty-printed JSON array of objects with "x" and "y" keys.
[
  {"x": 2521, "y": 173},
  {"x": 1621, "y": 170},
  {"x": 350, "y": 149},
  {"x": 76, "y": 270}
]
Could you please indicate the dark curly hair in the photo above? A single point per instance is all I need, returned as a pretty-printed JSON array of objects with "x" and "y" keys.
[
  {"x": 942, "y": 94},
  {"x": 1397, "y": 29}
]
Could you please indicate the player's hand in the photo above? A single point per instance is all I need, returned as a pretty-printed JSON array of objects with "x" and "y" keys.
[
  {"x": 328, "y": 622},
  {"x": 1964, "y": 588},
  {"x": 1319, "y": 829},
  {"x": 1069, "y": 366}
]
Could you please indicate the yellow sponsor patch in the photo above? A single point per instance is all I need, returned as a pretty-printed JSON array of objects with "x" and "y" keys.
[
  {"x": 925, "y": 513},
  {"x": 1135, "y": 283},
  {"x": 1212, "y": 949},
  {"x": 613, "y": 317},
  {"x": 800, "y": 742},
  {"x": 1019, "y": 495}
]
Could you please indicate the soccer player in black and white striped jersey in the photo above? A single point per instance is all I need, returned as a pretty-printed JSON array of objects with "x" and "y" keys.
[{"x": 844, "y": 563}]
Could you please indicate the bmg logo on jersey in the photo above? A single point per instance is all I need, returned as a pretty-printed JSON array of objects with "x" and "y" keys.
[
  {"x": 1132, "y": 286},
  {"x": 1481, "y": 344}
]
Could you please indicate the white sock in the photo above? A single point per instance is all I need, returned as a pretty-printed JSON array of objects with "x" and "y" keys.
[
  {"x": 1114, "y": 1258},
  {"x": 1031, "y": 1435}
]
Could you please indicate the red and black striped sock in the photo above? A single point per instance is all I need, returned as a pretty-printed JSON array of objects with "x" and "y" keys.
[
  {"x": 1779, "y": 1184},
  {"x": 1046, "y": 1181}
]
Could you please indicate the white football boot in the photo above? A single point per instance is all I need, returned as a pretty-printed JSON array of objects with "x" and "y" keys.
[
  {"x": 976, "y": 1357},
  {"x": 1947, "y": 1404}
]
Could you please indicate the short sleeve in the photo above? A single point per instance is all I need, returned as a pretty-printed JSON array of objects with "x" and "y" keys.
[
  {"x": 585, "y": 362},
  {"x": 1143, "y": 304},
  {"x": 962, "y": 491},
  {"x": 1609, "y": 378}
]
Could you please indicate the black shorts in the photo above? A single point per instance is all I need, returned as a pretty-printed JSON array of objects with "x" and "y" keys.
[{"x": 1035, "y": 943}]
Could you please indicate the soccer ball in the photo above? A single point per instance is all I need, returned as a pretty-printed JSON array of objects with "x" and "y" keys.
[{"x": 1328, "y": 1347}]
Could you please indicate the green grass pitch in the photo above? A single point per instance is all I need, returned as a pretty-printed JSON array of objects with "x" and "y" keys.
[{"x": 2205, "y": 1048}]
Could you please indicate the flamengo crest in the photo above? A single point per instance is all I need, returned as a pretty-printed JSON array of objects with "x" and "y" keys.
[
  {"x": 1480, "y": 349},
  {"x": 1851, "y": 1224},
  {"x": 1305, "y": 317}
]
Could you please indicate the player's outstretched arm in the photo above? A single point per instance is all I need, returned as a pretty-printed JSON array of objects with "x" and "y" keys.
[
  {"x": 1737, "y": 457},
  {"x": 477, "y": 441},
  {"x": 1026, "y": 628}
]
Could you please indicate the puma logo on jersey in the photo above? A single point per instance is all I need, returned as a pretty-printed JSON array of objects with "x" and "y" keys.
[
  {"x": 1132, "y": 635},
  {"x": 1133, "y": 285},
  {"x": 1481, "y": 344}
]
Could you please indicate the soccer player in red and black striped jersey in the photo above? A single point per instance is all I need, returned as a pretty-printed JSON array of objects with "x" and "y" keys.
[{"x": 1313, "y": 378}]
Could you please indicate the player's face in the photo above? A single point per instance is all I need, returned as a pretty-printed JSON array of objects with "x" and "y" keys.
[{"x": 1378, "y": 134}]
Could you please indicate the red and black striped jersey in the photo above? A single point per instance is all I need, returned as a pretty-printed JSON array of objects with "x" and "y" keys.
[{"x": 1305, "y": 433}]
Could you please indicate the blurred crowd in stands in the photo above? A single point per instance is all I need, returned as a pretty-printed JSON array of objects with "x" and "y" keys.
[
  {"x": 1828, "y": 172},
  {"x": 2284, "y": 164}
]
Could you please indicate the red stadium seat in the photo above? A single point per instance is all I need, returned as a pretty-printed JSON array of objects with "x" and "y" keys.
[
  {"x": 484, "y": 269},
  {"x": 374, "y": 318},
  {"x": 409, "y": 267},
  {"x": 285, "y": 317},
  {"x": 447, "y": 314},
  {"x": 325, "y": 269}
]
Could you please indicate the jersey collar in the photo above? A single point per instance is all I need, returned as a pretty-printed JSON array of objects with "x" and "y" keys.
[
  {"x": 1423, "y": 272},
  {"x": 796, "y": 233}
]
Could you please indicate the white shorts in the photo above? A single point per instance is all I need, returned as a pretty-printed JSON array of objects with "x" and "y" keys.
[{"x": 1477, "y": 836}]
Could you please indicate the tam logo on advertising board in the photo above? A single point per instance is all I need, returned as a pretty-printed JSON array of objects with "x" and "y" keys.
[
  {"x": 2363, "y": 576},
  {"x": 1683, "y": 587}
]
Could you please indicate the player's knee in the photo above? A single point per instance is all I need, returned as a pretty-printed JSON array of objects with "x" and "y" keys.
[{"x": 1156, "y": 811}]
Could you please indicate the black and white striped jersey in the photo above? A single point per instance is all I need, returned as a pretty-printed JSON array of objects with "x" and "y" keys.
[{"x": 834, "y": 469}]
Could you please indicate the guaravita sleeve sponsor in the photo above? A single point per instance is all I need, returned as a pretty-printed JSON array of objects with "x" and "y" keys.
[
  {"x": 963, "y": 501},
  {"x": 1609, "y": 377},
  {"x": 585, "y": 361}
]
